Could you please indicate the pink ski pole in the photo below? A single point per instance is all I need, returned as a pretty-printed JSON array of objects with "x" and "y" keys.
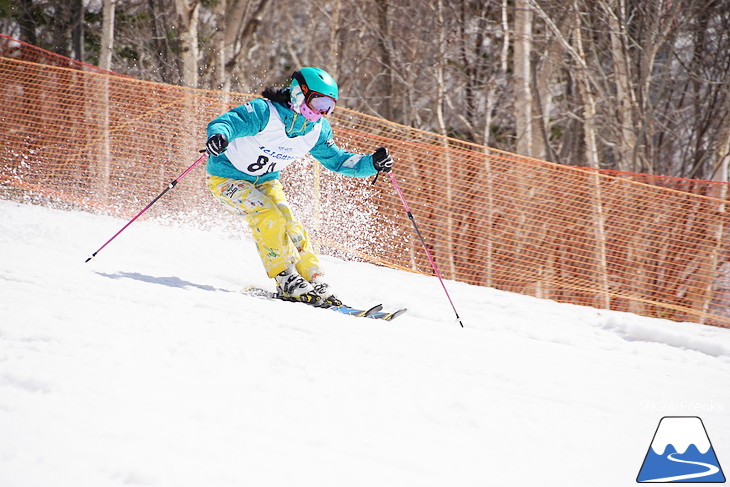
[
  {"x": 428, "y": 254},
  {"x": 169, "y": 187}
]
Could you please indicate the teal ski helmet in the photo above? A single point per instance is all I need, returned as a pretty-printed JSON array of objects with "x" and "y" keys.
[{"x": 313, "y": 93}]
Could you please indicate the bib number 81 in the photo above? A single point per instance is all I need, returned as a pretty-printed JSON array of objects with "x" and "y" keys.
[{"x": 261, "y": 162}]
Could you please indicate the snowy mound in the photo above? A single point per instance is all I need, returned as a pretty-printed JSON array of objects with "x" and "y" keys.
[{"x": 147, "y": 366}]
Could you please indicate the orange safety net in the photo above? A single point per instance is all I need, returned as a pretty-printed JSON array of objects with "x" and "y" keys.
[{"x": 75, "y": 136}]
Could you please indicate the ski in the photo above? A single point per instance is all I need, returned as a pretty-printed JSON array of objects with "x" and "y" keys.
[
  {"x": 376, "y": 312},
  {"x": 346, "y": 310},
  {"x": 388, "y": 315}
]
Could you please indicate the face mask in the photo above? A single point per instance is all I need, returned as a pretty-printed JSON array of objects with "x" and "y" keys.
[{"x": 314, "y": 105}]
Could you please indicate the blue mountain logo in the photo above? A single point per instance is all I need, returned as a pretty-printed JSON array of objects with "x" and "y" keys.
[{"x": 681, "y": 452}]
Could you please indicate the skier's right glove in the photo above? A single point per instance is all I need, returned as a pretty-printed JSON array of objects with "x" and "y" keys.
[
  {"x": 216, "y": 144},
  {"x": 382, "y": 162}
]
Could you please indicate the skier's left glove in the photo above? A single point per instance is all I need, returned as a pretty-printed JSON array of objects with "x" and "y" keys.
[
  {"x": 382, "y": 162},
  {"x": 216, "y": 144}
]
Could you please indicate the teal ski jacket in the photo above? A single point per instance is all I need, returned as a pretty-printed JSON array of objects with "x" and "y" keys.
[{"x": 251, "y": 118}]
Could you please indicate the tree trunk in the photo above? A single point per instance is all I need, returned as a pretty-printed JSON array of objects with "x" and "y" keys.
[
  {"x": 61, "y": 27},
  {"x": 522, "y": 76},
  {"x": 26, "y": 22},
  {"x": 334, "y": 58},
  {"x": 77, "y": 33},
  {"x": 161, "y": 43},
  {"x": 107, "y": 35},
  {"x": 603, "y": 299},
  {"x": 589, "y": 106},
  {"x": 544, "y": 81},
  {"x": 386, "y": 55},
  {"x": 488, "y": 169},
  {"x": 187, "y": 24},
  {"x": 105, "y": 62},
  {"x": 447, "y": 206},
  {"x": 625, "y": 97},
  {"x": 240, "y": 21},
  {"x": 716, "y": 227},
  {"x": 722, "y": 151}
]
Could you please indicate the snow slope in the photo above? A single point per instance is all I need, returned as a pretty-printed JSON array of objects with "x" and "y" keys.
[{"x": 146, "y": 366}]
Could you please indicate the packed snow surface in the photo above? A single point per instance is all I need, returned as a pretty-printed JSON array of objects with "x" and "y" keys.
[{"x": 147, "y": 366}]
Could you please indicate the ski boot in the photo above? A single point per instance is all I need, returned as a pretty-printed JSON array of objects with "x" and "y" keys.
[
  {"x": 293, "y": 287},
  {"x": 325, "y": 292}
]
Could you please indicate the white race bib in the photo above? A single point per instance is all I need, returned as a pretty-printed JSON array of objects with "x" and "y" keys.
[{"x": 271, "y": 149}]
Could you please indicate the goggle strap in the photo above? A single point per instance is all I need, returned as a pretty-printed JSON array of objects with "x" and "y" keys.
[{"x": 300, "y": 79}]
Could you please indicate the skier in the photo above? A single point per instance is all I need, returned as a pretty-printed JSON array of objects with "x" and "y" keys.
[{"x": 249, "y": 145}]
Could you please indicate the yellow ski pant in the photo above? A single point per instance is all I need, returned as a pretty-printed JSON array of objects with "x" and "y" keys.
[{"x": 280, "y": 238}]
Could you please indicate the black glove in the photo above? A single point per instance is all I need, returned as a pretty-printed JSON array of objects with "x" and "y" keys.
[
  {"x": 216, "y": 144},
  {"x": 382, "y": 162}
]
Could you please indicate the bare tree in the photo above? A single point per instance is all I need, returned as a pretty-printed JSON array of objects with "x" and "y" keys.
[
  {"x": 188, "y": 12},
  {"x": 77, "y": 31},
  {"x": 615, "y": 11},
  {"x": 522, "y": 76},
  {"x": 648, "y": 79},
  {"x": 160, "y": 41},
  {"x": 107, "y": 35},
  {"x": 28, "y": 12},
  {"x": 236, "y": 26}
]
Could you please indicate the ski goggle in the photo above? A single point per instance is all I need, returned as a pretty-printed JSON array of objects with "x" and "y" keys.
[
  {"x": 320, "y": 103},
  {"x": 316, "y": 106}
]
